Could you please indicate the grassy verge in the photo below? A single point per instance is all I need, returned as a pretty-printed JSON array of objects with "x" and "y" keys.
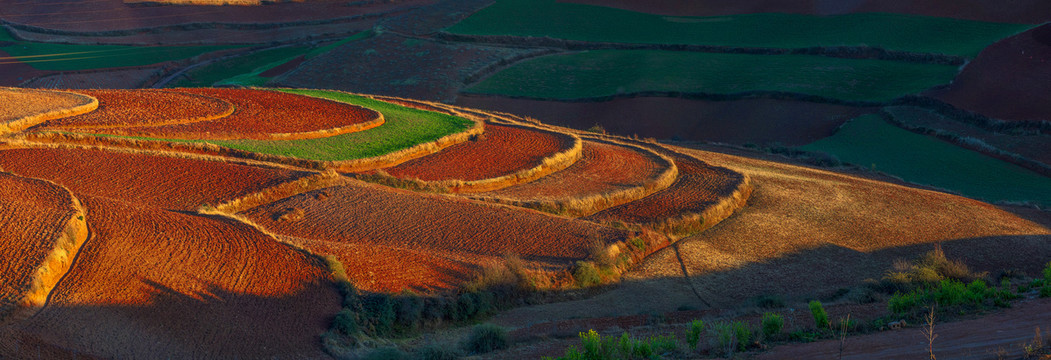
[
  {"x": 549, "y": 18},
  {"x": 871, "y": 142},
  {"x": 63, "y": 57},
  {"x": 610, "y": 72}
]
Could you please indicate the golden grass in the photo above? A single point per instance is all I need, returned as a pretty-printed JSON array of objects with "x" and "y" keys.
[
  {"x": 589, "y": 204},
  {"x": 25, "y": 108},
  {"x": 379, "y": 120},
  {"x": 277, "y": 192}
]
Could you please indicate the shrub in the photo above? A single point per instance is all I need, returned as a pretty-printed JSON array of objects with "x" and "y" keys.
[
  {"x": 437, "y": 352},
  {"x": 730, "y": 337},
  {"x": 772, "y": 324},
  {"x": 1047, "y": 273},
  {"x": 378, "y": 315},
  {"x": 820, "y": 315},
  {"x": 346, "y": 323},
  {"x": 1045, "y": 291},
  {"x": 693, "y": 334},
  {"x": 598, "y": 347},
  {"x": 486, "y": 338},
  {"x": 902, "y": 304},
  {"x": 386, "y": 353},
  {"x": 769, "y": 302},
  {"x": 586, "y": 274}
]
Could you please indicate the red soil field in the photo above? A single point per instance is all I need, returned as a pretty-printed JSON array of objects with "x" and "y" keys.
[
  {"x": 260, "y": 114},
  {"x": 120, "y": 108},
  {"x": 757, "y": 121},
  {"x": 698, "y": 187},
  {"x": 14, "y": 72},
  {"x": 33, "y": 214},
  {"x": 371, "y": 268},
  {"x": 605, "y": 167},
  {"x": 170, "y": 183},
  {"x": 1009, "y": 80},
  {"x": 109, "y": 79},
  {"x": 368, "y": 214},
  {"x": 503, "y": 150},
  {"x": 150, "y": 281},
  {"x": 1018, "y": 11},
  {"x": 107, "y": 15}
]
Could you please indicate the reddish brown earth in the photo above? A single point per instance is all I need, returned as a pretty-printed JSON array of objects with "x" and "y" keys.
[
  {"x": 758, "y": 121},
  {"x": 503, "y": 150},
  {"x": 372, "y": 269},
  {"x": 109, "y": 79},
  {"x": 1009, "y": 80},
  {"x": 119, "y": 108},
  {"x": 33, "y": 213},
  {"x": 150, "y": 281},
  {"x": 699, "y": 186},
  {"x": 1017, "y": 11},
  {"x": 283, "y": 68},
  {"x": 258, "y": 114},
  {"x": 996, "y": 336},
  {"x": 106, "y": 15},
  {"x": 14, "y": 72},
  {"x": 605, "y": 167},
  {"x": 165, "y": 182},
  {"x": 368, "y": 214},
  {"x": 389, "y": 64}
]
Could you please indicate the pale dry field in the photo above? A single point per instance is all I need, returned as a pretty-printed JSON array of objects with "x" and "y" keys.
[{"x": 23, "y": 108}]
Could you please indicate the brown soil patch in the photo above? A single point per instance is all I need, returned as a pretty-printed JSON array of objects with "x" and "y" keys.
[
  {"x": 698, "y": 187},
  {"x": 1008, "y": 80},
  {"x": 26, "y": 107},
  {"x": 1023, "y": 11},
  {"x": 34, "y": 214},
  {"x": 432, "y": 224},
  {"x": 998, "y": 336},
  {"x": 501, "y": 150},
  {"x": 262, "y": 114},
  {"x": 150, "y": 282},
  {"x": 122, "y": 108},
  {"x": 758, "y": 121},
  {"x": 605, "y": 167},
  {"x": 109, "y": 79},
  {"x": 170, "y": 183},
  {"x": 283, "y": 68},
  {"x": 14, "y": 72}
]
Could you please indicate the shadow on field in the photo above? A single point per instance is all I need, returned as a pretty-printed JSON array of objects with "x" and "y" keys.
[{"x": 211, "y": 323}]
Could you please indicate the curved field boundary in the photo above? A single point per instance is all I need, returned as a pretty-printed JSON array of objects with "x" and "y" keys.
[
  {"x": 584, "y": 205},
  {"x": 564, "y": 158},
  {"x": 277, "y": 192},
  {"x": 413, "y": 103},
  {"x": 135, "y": 108},
  {"x": 63, "y": 239},
  {"x": 23, "y": 118}
]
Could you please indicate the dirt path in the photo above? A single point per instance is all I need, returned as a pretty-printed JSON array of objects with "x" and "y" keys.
[{"x": 999, "y": 335}]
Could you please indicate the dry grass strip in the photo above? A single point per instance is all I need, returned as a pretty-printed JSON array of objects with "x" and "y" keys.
[{"x": 25, "y": 108}]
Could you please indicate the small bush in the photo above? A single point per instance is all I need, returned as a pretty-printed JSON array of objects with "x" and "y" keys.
[
  {"x": 598, "y": 347},
  {"x": 486, "y": 338},
  {"x": 386, "y": 353},
  {"x": 769, "y": 302},
  {"x": 772, "y": 324},
  {"x": 694, "y": 333},
  {"x": 820, "y": 315},
  {"x": 729, "y": 337},
  {"x": 437, "y": 352},
  {"x": 586, "y": 274},
  {"x": 346, "y": 323},
  {"x": 1047, "y": 273},
  {"x": 1045, "y": 291}
]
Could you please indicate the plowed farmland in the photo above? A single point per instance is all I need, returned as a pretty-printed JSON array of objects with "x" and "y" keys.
[
  {"x": 1009, "y": 80},
  {"x": 604, "y": 168},
  {"x": 371, "y": 268},
  {"x": 699, "y": 186},
  {"x": 33, "y": 215},
  {"x": 123, "y": 108},
  {"x": 370, "y": 214},
  {"x": 261, "y": 114},
  {"x": 170, "y": 183},
  {"x": 24, "y": 108},
  {"x": 502, "y": 150},
  {"x": 151, "y": 282}
]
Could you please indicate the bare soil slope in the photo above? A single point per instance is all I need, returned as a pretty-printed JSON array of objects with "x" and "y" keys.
[
  {"x": 170, "y": 183},
  {"x": 150, "y": 281},
  {"x": 120, "y": 108},
  {"x": 1009, "y": 80}
]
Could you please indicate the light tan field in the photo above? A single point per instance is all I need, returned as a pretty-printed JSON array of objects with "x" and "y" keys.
[{"x": 23, "y": 108}]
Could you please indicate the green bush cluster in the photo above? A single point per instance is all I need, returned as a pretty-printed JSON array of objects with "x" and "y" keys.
[
  {"x": 772, "y": 324},
  {"x": 487, "y": 338},
  {"x": 694, "y": 333},
  {"x": 598, "y": 347},
  {"x": 819, "y": 313},
  {"x": 729, "y": 337},
  {"x": 951, "y": 294}
]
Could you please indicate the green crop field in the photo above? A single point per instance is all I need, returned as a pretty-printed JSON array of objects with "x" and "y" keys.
[
  {"x": 596, "y": 23},
  {"x": 404, "y": 128},
  {"x": 871, "y": 142},
  {"x": 609, "y": 72},
  {"x": 62, "y": 57}
]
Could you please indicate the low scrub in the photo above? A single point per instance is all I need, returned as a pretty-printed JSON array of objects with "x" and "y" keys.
[
  {"x": 951, "y": 296},
  {"x": 729, "y": 337},
  {"x": 486, "y": 338},
  {"x": 928, "y": 270},
  {"x": 598, "y": 347}
]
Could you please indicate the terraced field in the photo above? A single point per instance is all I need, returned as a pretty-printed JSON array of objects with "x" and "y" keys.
[
  {"x": 550, "y": 18},
  {"x": 24, "y": 108},
  {"x": 151, "y": 281},
  {"x": 165, "y": 182},
  {"x": 605, "y": 73},
  {"x": 129, "y": 108}
]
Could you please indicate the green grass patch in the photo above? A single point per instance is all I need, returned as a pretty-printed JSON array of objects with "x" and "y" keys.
[
  {"x": 871, "y": 142},
  {"x": 609, "y": 72},
  {"x": 63, "y": 57},
  {"x": 596, "y": 23}
]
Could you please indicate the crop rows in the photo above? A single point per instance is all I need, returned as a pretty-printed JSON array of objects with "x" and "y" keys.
[{"x": 128, "y": 108}]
